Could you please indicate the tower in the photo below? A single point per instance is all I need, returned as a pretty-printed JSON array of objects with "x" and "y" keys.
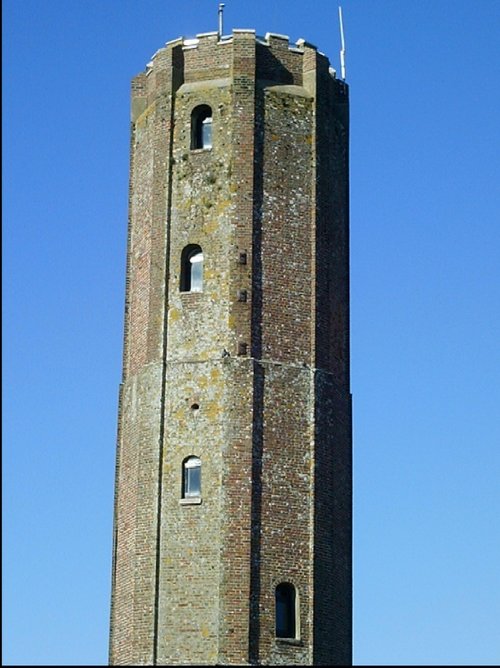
[{"x": 232, "y": 532}]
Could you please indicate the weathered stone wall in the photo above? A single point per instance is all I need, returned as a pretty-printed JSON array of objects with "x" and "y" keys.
[
  {"x": 199, "y": 322},
  {"x": 286, "y": 519},
  {"x": 191, "y": 534},
  {"x": 332, "y": 524},
  {"x": 137, "y": 483},
  {"x": 140, "y": 433},
  {"x": 286, "y": 233},
  {"x": 251, "y": 374},
  {"x": 237, "y": 485}
]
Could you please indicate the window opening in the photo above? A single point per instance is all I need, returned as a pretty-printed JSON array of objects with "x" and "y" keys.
[
  {"x": 201, "y": 127},
  {"x": 192, "y": 269},
  {"x": 191, "y": 484},
  {"x": 285, "y": 595}
]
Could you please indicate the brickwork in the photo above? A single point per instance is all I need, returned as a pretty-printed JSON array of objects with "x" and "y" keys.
[
  {"x": 286, "y": 240},
  {"x": 251, "y": 374}
]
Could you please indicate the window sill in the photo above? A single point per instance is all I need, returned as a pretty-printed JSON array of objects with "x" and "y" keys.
[
  {"x": 201, "y": 150},
  {"x": 190, "y": 501},
  {"x": 297, "y": 642}
]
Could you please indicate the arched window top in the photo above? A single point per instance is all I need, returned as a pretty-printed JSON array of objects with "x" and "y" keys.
[
  {"x": 192, "y": 269},
  {"x": 201, "y": 127},
  {"x": 191, "y": 477},
  {"x": 286, "y": 610},
  {"x": 192, "y": 462}
]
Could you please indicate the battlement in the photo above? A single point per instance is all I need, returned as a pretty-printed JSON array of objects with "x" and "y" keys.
[
  {"x": 267, "y": 40},
  {"x": 209, "y": 56},
  {"x": 210, "y": 51}
]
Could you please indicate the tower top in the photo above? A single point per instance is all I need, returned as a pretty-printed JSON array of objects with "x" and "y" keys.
[{"x": 216, "y": 39}]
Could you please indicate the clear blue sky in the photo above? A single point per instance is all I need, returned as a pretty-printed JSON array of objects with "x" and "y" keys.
[{"x": 425, "y": 205}]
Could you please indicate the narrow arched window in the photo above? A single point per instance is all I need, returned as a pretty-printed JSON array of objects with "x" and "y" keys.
[
  {"x": 286, "y": 611},
  {"x": 191, "y": 477},
  {"x": 201, "y": 127},
  {"x": 192, "y": 269}
]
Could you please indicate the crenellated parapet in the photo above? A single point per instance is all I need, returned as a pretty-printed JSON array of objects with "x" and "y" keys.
[{"x": 207, "y": 56}]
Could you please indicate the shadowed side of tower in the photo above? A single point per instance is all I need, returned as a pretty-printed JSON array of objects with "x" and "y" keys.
[{"x": 233, "y": 481}]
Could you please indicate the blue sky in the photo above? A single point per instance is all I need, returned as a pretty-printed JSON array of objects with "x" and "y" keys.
[{"x": 425, "y": 242}]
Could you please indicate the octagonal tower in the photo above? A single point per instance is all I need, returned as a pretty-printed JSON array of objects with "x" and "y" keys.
[{"x": 233, "y": 505}]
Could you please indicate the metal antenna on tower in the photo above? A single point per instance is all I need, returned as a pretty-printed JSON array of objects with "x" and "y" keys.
[
  {"x": 221, "y": 12},
  {"x": 342, "y": 46}
]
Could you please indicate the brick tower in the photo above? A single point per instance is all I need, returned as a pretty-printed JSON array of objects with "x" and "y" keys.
[{"x": 232, "y": 534}]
